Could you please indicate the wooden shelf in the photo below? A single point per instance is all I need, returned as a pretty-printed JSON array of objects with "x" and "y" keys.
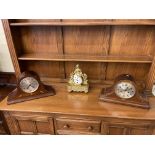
[
  {"x": 86, "y": 23},
  {"x": 85, "y": 58}
]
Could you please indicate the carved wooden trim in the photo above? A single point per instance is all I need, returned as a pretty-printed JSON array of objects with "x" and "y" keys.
[
  {"x": 11, "y": 123},
  {"x": 51, "y": 125},
  {"x": 151, "y": 76},
  {"x": 35, "y": 130},
  {"x": 11, "y": 46},
  {"x": 17, "y": 126}
]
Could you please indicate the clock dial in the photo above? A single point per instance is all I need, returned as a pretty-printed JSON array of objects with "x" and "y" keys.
[
  {"x": 29, "y": 85},
  {"x": 125, "y": 90},
  {"x": 153, "y": 90},
  {"x": 77, "y": 79}
]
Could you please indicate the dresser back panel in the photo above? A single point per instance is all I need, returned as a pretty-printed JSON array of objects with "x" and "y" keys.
[{"x": 82, "y": 41}]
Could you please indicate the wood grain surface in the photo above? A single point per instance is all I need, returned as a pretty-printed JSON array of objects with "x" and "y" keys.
[
  {"x": 138, "y": 71},
  {"x": 132, "y": 40},
  {"x": 80, "y": 104},
  {"x": 51, "y": 47},
  {"x": 86, "y": 40},
  {"x": 80, "y": 22}
]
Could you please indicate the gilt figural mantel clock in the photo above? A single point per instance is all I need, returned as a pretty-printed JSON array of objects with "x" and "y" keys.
[{"x": 78, "y": 81}]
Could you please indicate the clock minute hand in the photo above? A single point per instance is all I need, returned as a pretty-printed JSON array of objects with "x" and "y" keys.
[
  {"x": 28, "y": 86},
  {"x": 124, "y": 89}
]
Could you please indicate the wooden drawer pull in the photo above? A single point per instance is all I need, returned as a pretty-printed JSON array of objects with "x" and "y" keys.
[
  {"x": 90, "y": 128},
  {"x": 66, "y": 126}
]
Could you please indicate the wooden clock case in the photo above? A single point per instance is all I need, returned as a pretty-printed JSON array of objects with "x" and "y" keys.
[
  {"x": 138, "y": 100},
  {"x": 104, "y": 49},
  {"x": 18, "y": 95}
]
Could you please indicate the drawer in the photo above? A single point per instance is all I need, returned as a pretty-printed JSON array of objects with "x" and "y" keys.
[{"x": 77, "y": 126}]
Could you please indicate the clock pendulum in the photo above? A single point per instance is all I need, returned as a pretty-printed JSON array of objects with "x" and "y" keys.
[
  {"x": 29, "y": 87},
  {"x": 125, "y": 91}
]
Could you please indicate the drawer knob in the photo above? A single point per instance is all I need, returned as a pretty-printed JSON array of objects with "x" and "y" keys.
[
  {"x": 66, "y": 126},
  {"x": 90, "y": 128}
]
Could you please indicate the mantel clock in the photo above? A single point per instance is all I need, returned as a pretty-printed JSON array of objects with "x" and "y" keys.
[
  {"x": 125, "y": 91},
  {"x": 78, "y": 81},
  {"x": 29, "y": 87}
]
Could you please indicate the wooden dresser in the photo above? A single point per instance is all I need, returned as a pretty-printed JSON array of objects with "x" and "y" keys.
[
  {"x": 103, "y": 49},
  {"x": 7, "y": 84}
]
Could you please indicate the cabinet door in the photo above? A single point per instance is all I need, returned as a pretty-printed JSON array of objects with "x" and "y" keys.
[
  {"x": 2, "y": 127},
  {"x": 126, "y": 128},
  {"x": 30, "y": 124},
  {"x": 2, "y": 131}
]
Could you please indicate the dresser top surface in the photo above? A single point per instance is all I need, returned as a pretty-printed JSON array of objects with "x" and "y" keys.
[{"x": 80, "y": 104}]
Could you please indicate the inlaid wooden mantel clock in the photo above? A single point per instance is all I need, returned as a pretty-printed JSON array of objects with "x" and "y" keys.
[
  {"x": 29, "y": 87},
  {"x": 125, "y": 91}
]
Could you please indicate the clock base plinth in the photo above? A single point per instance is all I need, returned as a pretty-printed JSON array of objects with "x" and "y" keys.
[
  {"x": 17, "y": 96},
  {"x": 76, "y": 88},
  {"x": 108, "y": 95}
]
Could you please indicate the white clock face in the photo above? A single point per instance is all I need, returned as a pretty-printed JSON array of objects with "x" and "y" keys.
[
  {"x": 29, "y": 85},
  {"x": 153, "y": 90},
  {"x": 125, "y": 90},
  {"x": 77, "y": 79}
]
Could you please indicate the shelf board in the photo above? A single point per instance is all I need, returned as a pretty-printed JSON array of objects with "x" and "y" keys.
[
  {"x": 85, "y": 58},
  {"x": 86, "y": 23}
]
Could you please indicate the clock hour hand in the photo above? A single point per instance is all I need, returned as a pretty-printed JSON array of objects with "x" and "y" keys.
[{"x": 30, "y": 86}]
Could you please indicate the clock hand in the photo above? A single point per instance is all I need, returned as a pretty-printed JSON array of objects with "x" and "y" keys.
[
  {"x": 124, "y": 89},
  {"x": 28, "y": 86}
]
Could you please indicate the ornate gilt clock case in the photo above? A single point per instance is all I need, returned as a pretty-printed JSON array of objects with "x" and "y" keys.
[{"x": 78, "y": 81}]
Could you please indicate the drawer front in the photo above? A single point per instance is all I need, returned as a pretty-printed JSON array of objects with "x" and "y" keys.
[
  {"x": 29, "y": 124},
  {"x": 127, "y": 127},
  {"x": 77, "y": 126}
]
